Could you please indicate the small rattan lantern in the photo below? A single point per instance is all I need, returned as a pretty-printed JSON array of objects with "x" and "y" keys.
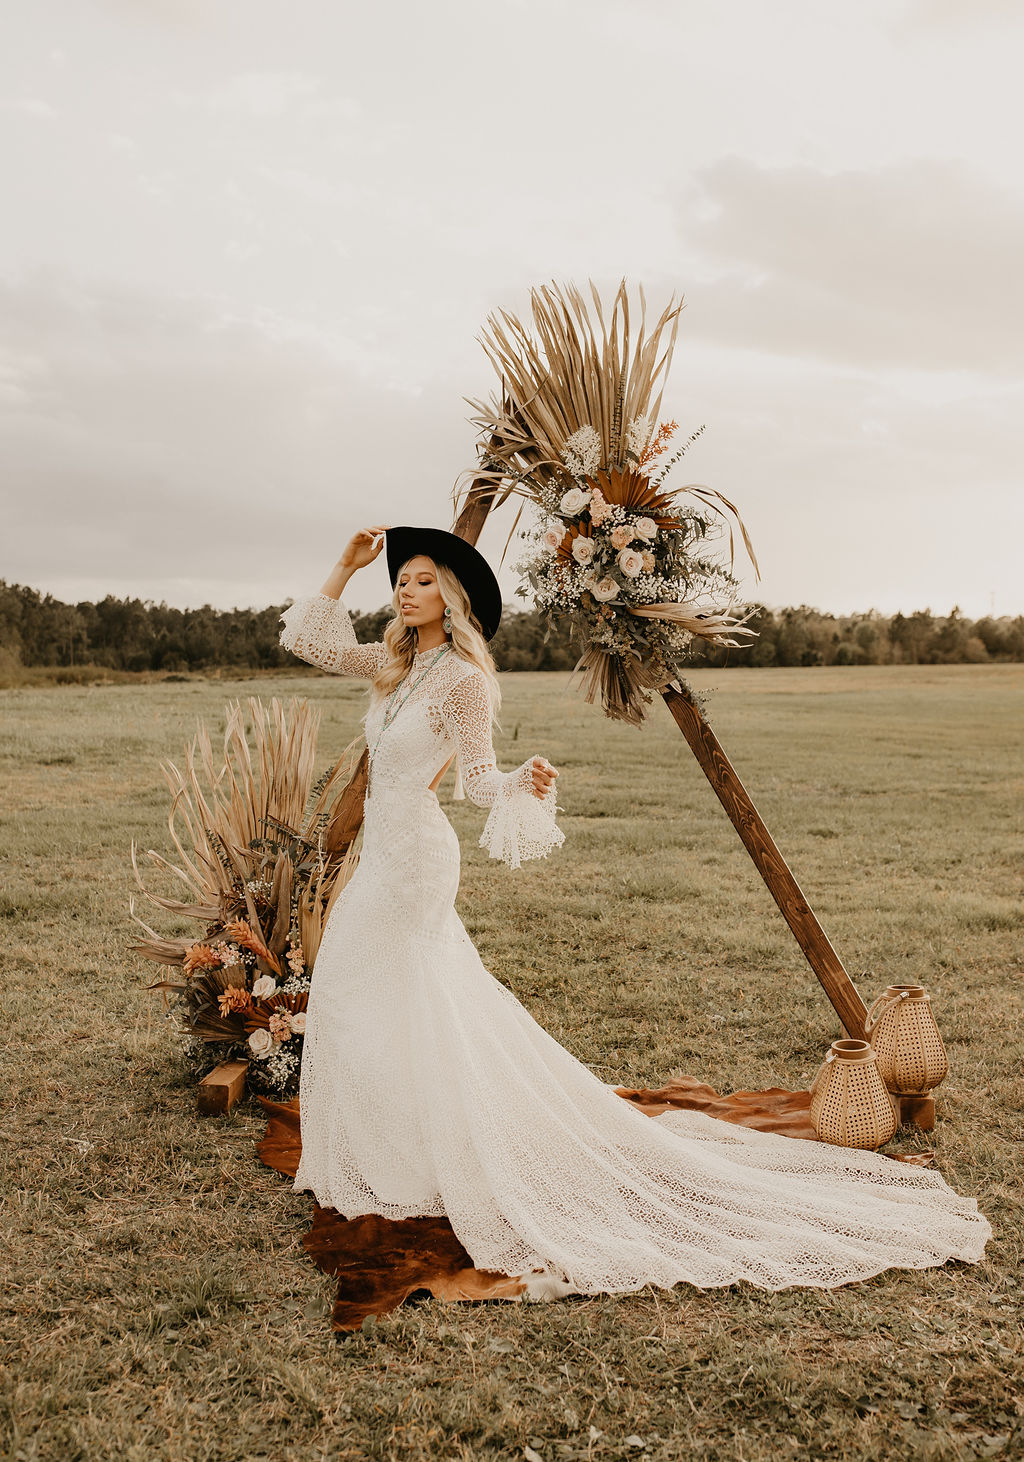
[
  {"x": 850, "y": 1106},
  {"x": 902, "y": 1030}
]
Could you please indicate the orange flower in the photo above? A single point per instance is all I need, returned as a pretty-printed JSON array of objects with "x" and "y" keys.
[
  {"x": 240, "y": 930},
  {"x": 201, "y": 957},
  {"x": 658, "y": 443},
  {"x": 233, "y": 999}
]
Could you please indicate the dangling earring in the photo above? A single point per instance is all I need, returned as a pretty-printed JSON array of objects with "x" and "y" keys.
[{"x": 447, "y": 620}]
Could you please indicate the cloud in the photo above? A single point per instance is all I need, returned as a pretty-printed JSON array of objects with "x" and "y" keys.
[
  {"x": 162, "y": 440},
  {"x": 29, "y": 106},
  {"x": 915, "y": 264},
  {"x": 262, "y": 93},
  {"x": 962, "y": 13},
  {"x": 161, "y": 447},
  {"x": 858, "y": 489}
]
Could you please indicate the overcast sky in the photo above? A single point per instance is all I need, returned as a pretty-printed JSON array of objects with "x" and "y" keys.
[{"x": 247, "y": 247}]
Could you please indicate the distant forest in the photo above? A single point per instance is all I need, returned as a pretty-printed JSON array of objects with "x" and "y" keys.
[{"x": 37, "y": 630}]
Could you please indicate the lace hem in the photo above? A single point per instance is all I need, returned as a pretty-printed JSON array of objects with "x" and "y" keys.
[{"x": 520, "y": 825}]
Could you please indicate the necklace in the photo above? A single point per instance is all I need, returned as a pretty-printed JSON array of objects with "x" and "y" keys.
[{"x": 394, "y": 705}]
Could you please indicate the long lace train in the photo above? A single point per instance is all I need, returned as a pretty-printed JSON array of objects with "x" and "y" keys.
[{"x": 427, "y": 1088}]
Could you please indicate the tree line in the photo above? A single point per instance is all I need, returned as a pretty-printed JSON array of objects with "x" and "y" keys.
[{"x": 38, "y": 630}]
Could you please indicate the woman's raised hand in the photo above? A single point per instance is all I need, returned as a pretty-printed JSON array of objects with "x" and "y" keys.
[
  {"x": 361, "y": 548},
  {"x": 544, "y": 775}
]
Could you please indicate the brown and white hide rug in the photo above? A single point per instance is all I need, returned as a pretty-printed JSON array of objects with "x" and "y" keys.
[{"x": 379, "y": 1262}]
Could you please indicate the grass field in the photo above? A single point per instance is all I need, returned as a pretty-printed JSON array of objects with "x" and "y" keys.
[{"x": 155, "y": 1300}]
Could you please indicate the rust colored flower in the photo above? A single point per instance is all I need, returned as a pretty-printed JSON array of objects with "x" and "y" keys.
[
  {"x": 658, "y": 443},
  {"x": 234, "y": 1000},
  {"x": 201, "y": 957},
  {"x": 240, "y": 930}
]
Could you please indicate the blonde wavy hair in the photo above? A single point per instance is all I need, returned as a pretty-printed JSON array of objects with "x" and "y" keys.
[{"x": 467, "y": 637}]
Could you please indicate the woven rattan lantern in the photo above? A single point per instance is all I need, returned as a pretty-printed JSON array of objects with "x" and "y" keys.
[
  {"x": 850, "y": 1106},
  {"x": 906, "y": 1040}
]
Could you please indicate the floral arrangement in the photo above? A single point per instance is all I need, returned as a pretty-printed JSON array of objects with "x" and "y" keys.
[
  {"x": 270, "y": 851},
  {"x": 234, "y": 999},
  {"x": 575, "y": 431}
]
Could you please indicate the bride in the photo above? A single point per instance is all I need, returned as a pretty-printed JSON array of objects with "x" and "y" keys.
[{"x": 428, "y": 1089}]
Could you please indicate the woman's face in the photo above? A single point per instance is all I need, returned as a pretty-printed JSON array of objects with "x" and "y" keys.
[{"x": 420, "y": 600}]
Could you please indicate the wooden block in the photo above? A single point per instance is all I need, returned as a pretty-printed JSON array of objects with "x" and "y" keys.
[
  {"x": 916, "y": 1111},
  {"x": 218, "y": 1092}
]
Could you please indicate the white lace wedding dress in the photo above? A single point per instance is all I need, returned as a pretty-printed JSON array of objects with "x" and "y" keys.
[{"x": 427, "y": 1088}]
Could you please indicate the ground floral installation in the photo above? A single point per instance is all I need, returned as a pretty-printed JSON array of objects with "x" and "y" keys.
[
  {"x": 575, "y": 431},
  {"x": 265, "y": 864}
]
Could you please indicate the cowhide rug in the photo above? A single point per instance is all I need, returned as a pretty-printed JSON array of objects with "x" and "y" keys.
[{"x": 379, "y": 1262}]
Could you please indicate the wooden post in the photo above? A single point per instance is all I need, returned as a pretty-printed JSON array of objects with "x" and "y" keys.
[
  {"x": 915, "y": 1110},
  {"x": 469, "y": 524},
  {"x": 769, "y": 862},
  {"x": 221, "y": 1088}
]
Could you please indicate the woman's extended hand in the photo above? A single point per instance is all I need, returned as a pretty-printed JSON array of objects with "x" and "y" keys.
[
  {"x": 361, "y": 550},
  {"x": 544, "y": 775}
]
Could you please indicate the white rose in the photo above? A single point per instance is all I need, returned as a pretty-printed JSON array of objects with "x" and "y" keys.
[
  {"x": 263, "y": 987},
  {"x": 298, "y": 1023},
  {"x": 647, "y": 528},
  {"x": 630, "y": 562},
  {"x": 583, "y": 549},
  {"x": 261, "y": 1041},
  {"x": 574, "y": 501},
  {"x": 605, "y": 589},
  {"x": 552, "y": 538}
]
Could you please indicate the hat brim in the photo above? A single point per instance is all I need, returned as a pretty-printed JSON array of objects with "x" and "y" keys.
[{"x": 467, "y": 563}]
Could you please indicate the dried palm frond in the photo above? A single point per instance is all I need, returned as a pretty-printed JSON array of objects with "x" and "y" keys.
[
  {"x": 620, "y": 685},
  {"x": 710, "y": 624},
  {"x": 263, "y": 846},
  {"x": 576, "y": 417},
  {"x": 208, "y": 1019},
  {"x": 291, "y": 1003},
  {"x": 573, "y": 372}
]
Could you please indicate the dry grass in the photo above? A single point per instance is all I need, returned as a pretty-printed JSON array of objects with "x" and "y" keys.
[{"x": 155, "y": 1300}]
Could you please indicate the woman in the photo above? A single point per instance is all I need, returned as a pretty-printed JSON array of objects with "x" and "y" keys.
[{"x": 428, "y": 1089}]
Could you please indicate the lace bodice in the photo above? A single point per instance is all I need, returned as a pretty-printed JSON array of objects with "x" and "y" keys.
[{"x": 445, "y": 711}]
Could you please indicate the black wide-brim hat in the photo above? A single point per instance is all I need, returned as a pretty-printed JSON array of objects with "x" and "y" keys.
[{"x": 467, "y": 563}]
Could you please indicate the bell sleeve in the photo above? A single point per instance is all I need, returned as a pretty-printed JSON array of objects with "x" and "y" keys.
[
  {"x": 318, "y": 629},
  {"x": 520, "y": 825}
]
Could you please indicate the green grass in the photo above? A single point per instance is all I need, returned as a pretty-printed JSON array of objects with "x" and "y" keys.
[{"x": 155, "y": 1300}]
